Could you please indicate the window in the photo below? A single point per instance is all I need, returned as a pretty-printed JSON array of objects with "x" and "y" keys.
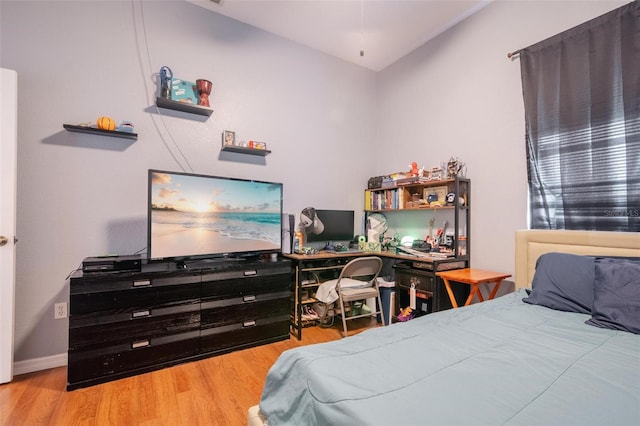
[{"x": 581, "y": 91}]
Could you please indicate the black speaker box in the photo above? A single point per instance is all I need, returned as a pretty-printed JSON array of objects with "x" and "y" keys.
[{"x": 288, "y": 232}]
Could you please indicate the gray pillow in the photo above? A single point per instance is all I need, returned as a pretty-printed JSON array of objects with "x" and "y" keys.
[
  {"x": 563, "y": 282},
  {"x": 616, "y": 303}
]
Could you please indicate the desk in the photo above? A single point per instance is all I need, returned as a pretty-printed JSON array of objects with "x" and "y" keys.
[
  {"x": 473, "y": 277},
  {"x": 390, "y": 254},
  {"x": 312, "y": 269}
]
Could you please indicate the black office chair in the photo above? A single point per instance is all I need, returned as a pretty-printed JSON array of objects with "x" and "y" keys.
[{"x": 357, "y": 282}]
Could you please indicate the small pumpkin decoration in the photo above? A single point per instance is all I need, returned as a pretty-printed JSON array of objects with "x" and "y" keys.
[{"x": 106, "y": 123}]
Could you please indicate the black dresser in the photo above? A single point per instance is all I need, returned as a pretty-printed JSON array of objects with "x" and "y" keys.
[{"x": 127, "y": 323}]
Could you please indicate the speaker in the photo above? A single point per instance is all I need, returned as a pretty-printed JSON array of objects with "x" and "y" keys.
[{"x": 288, "y": 232}]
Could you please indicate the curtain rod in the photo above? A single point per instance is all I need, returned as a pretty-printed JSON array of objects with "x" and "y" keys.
[{"x": 510, "y": 55}]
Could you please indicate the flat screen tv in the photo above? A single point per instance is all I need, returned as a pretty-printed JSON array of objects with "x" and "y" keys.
[
  {"x": 338, "y": 226},
  {"x": 193, "y": 216}
]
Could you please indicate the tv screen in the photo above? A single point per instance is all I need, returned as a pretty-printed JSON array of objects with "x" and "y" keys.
[
  {"x": 198, "y": 216},
  {"x": 338, "y": 226}
]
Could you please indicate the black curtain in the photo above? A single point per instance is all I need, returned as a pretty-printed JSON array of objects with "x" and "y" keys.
[{"x": 581, "y": 91}]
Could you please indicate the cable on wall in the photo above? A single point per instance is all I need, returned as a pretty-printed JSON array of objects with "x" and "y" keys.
[
  {"x": 145, "y": 73},
  {"x": 361, "y": 27}
]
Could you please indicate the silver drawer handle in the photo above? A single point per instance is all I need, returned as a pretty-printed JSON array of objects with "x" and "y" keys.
[
  {"x": 140, "y": 344},
  {"x": 249, "y": 298},
  {"x": 141, "y": 314},
  {"x": 249, "y": 324},
  {"x": 249, "y": 273},
  {"x": 141, "y": 283}
]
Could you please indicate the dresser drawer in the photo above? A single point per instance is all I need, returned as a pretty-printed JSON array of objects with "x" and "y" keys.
[
  {"x": 135, "y": 355},
  {"x": 247, "y": 333},
  {"x": 216, "y": 313},
  {"x": 95, "y": 283},
  {"x": 132, "y": 298},
  {"x": 223, "y": 288},
  {"x": 91, "y": 330}
]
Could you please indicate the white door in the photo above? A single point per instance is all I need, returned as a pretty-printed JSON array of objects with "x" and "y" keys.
[{"x": 8, "y": 143}]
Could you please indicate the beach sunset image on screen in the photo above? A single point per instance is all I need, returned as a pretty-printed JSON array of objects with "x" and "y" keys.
[{"x": 197, "y": 215}]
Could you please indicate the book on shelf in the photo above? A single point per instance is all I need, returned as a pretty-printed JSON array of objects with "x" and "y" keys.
[
  {"x": 413, "y": 180},
  {"x": 367, "y": 200},
  {"x": 388, "y": 199}
]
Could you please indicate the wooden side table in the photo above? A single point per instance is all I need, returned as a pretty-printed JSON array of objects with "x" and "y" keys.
[{"x": 473, "y": 277}]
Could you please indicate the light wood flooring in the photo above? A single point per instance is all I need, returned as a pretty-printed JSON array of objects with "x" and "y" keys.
[{"x": 214, "y": 391}]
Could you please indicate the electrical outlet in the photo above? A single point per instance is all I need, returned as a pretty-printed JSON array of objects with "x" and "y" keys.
[{"x": 60, "y": 310}]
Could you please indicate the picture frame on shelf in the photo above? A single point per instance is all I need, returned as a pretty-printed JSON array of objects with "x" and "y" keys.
[
  {"x": 440, "y": 191},
  {"x": 228, "y": 138}
]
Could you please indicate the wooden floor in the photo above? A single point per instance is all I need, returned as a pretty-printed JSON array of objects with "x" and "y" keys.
[{"x": 214, "y": 391}]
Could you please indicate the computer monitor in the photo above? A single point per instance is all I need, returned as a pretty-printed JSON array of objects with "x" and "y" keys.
[{"x": 338, "y": 226}]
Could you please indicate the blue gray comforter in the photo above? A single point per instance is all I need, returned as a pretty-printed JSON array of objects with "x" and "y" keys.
[{"x": 501, "y": 362}]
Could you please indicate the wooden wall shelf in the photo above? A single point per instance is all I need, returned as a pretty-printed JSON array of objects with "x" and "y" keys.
[
  {"x": 94, "y": 131},
  {"x": 245, "y": 150},
  {"x": 183, "y": 106}
]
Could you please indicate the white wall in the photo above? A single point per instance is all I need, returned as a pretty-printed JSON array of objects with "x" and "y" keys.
[
  {"x": 460, "y": 96},
  {"x": 83, "y": 195},
  {"x": 330, "y": 124}
]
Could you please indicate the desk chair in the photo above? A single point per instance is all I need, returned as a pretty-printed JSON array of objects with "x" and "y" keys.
[{"x": 357, "y": 282}]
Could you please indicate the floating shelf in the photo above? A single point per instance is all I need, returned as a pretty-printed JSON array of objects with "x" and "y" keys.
[
  {"x": 245, "y": 150},
  {"x": 94, "y": 131},
  {"x": 183, "y": 106}
]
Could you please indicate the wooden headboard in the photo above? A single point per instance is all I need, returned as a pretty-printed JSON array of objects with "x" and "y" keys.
[{"x": 530, "y": 244}]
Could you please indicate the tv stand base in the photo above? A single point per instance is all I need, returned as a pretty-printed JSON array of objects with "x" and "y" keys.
[{"x": 126, "y": 323}]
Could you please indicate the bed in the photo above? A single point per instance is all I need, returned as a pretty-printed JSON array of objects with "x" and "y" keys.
[{"x": 562, "y": 349}]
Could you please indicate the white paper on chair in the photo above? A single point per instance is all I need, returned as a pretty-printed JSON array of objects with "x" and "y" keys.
[{"x": 327, "y": 290}]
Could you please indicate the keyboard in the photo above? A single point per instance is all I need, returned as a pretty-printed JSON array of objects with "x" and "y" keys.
[{"x": 344, "y": 251}]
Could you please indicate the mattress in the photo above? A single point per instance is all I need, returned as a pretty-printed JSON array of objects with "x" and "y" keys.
[{"x": 501, "y": 362}]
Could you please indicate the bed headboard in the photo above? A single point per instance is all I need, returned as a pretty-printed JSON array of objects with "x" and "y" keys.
[{"x": 530, "y": 244}]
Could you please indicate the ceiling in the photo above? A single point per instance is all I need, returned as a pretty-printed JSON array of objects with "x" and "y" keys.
[{"x": 390, "y": 28}]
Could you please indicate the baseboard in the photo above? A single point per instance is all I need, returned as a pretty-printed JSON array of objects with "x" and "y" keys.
[{"x": 37, "y": 364}]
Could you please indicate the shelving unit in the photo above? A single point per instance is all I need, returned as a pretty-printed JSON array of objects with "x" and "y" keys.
[
  {"x": 399, "y": 198},
  {"x": 245, "y": 150},
  {"x": 95, "y": 131},
  {"x": 405, "y": 197},
  {"x": 183, "y": 106}
]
